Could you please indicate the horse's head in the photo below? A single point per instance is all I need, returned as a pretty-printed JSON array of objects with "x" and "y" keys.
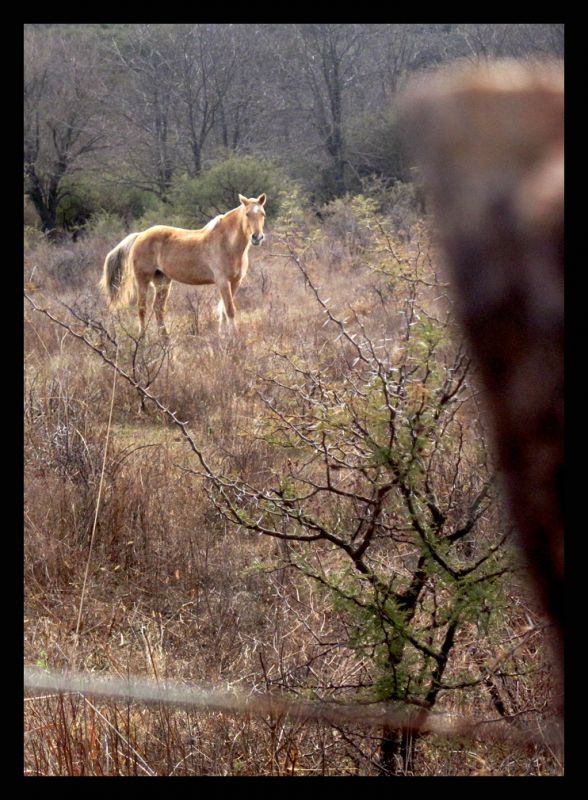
[{"x": 255, "y": 216}]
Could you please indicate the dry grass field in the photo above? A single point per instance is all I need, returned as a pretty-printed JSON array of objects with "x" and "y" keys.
[{"x": 175, "y": 589}]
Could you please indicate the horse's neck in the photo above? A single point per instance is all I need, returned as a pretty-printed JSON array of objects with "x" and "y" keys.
[{"x": 232, "y": 226}]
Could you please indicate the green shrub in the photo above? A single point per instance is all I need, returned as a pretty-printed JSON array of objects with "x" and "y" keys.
[
  {"x": 107, "y": 225},
  {"x": 217, "y": 189},
  {"x": 162, "y": 213},
  {"x": 85, "y": 199}
]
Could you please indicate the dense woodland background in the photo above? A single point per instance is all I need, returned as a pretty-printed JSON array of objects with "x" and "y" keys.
[
  {"x": 328, "y": 524},
  {"x": 122, "y": 119}
]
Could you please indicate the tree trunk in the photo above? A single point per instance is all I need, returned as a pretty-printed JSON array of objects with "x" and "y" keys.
[
  {"x": 397, "y": 751},
  {"x": 45, "y": 203}
]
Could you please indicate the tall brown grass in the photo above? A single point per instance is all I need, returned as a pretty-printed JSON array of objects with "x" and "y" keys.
[{"x": 175, "y": 592}]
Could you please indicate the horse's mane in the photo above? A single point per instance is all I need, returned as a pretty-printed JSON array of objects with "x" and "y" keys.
[{"x": 213, "y": 222}]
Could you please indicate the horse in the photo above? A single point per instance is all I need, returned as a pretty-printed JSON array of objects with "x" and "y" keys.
[{"x": 215, "y": 254}]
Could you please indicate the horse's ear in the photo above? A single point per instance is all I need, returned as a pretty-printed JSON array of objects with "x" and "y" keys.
[
  {"x": 261, "y": 199},
  {"x": 243, "y": 199}
]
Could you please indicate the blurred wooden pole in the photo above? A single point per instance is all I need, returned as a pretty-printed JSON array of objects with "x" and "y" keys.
[{"x": 489, "y": 143}]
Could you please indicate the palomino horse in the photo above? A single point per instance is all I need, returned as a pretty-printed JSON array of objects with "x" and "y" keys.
[{"x": 217, "y": 253}]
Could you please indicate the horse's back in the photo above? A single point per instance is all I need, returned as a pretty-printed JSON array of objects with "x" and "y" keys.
[
  {"x": 164, "y": 233},
  {"x": 182, "y": 255},
  {"x": 166, "y": 230},
  {"x": 167, "y": 234}
]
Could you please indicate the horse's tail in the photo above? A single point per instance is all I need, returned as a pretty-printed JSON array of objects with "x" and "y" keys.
[{"x": 117, "y": 278}]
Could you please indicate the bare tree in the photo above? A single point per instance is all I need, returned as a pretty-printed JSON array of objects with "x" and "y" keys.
[
  {"x": 317, "y": 66},
  {"x": 206, "y": 66},
  {"x": 483, "y": 41},
  {"x": 144, "y": 104},
  {"x": 385, "y": 499},
  {"x": 396, "y": 55},
  {"x": 63, "y": 125},
  {"x": 174, "y": 91},
  {"x": 544, "y": 40},
  {"x": 247, "y": 106}
]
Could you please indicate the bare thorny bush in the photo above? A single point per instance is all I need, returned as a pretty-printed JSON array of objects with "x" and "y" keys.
[
  {"x": 386, "y": 498},
  {"x": 392, "y": 562}
]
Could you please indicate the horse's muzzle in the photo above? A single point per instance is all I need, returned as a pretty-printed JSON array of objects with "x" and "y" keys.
[{"x": 257, "y": 238}]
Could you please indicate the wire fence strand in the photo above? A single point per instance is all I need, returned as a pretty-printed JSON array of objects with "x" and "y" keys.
[{"x": 233, "y": 701}]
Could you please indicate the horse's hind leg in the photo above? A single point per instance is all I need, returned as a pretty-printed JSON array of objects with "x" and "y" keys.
[
  {"x": 142, "y": 287},
  {"x": 162, "y": 287}
]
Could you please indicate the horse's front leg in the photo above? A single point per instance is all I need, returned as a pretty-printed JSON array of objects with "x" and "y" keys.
[{"x": 226, "y": 307}]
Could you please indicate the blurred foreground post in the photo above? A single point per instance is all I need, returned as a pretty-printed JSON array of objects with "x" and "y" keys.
[{"x": 489, "y": 142}]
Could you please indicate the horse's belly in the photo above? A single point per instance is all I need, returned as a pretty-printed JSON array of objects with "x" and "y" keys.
[
  {"x": 194, "y": 275},
  {"x": 197, "y": 280}
]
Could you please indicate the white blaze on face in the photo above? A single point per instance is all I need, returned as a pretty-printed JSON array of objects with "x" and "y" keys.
[{"x": 255, "y": 210}]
